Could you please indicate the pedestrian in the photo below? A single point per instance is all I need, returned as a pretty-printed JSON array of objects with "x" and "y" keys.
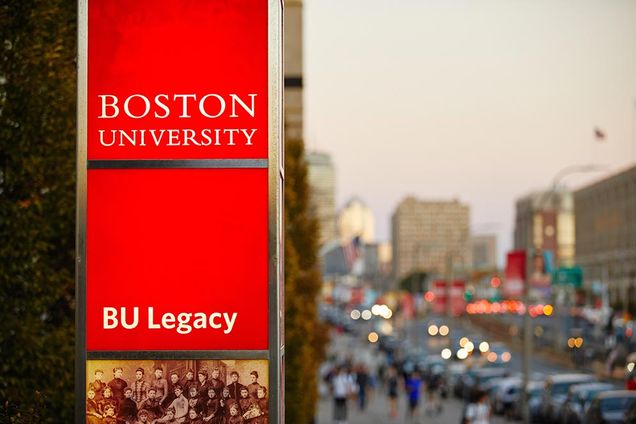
[
  {"x": 392, "y": 391},
  {"x": 478, "y": 411},
  {"x": 342, "y": 386},
  {"x": 362, "y": 380},
  {"x": 413, "y": 388},
  {"x": 433, "y": 385}
]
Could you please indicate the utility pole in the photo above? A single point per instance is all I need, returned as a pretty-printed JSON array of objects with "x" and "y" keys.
[{"x": 527, "y": 352}]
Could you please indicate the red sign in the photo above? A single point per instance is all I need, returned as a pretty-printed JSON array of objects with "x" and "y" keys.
[
  {"x": 180, "y": 192},
  {"x": 168, "y": 244},
  {"x": 177, "y": 80},
  {"x": 440, "y": 292},
  {"x": 177, "y": 257},
  {"x": 457, "y": 301},
  {"x": 515, "y": 274}
]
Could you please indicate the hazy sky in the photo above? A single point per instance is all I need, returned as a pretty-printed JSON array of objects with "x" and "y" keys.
[{"x": 482, "y": 101}]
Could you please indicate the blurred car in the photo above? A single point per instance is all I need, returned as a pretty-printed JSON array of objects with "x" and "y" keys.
[
  {"x": 498, "y": 354},
  {"x": 478, "y": 378},
  {"x": 630, "y": 415},
  {"x": 610, "y": 407},
  {"x": 533, "y": 397},
  {"x": 578, "y": 401},
  {"x": 454, "y": 373},
  {"x": 556, "y": 392},
  {"x": 505, "y": 394}
]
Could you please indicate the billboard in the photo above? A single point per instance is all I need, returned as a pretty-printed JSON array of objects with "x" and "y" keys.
[
  {"x": 514, "y": 282},
  {"x": 180, "y": 191}
]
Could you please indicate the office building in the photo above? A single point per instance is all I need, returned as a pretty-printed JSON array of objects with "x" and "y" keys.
[{"x": 430, "y": 236}]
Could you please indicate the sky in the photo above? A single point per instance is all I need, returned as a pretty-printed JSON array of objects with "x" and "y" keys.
[{"x": 482, "y": 101}]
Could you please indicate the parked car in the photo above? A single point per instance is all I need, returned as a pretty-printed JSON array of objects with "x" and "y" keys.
[
  {"x": 505, "y": 394},
  {"x": 578, "y": 401},
  {"x": 533, "y": 397},
  {"x": 630, "y": 415},
  {"x": 555, "y": 394},
  {"x": 453, "y": 374},
  {"x": 477, "y": 379},
  {"x": 610, "y": 407}
]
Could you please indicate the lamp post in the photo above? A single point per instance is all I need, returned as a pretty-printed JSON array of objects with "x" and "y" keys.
[{"x": 527, "y": 320}]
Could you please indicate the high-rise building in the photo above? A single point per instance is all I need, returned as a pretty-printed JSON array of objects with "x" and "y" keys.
[
  {"x": 484, "y": 251},
  {"x": 430, "y": 236},
  {"x": 544, "y": 221},
  {"x": 293, "y": 69},
  {"x": 356, "y": 220},
  {"x": 321, "y": 176},
  {"x": 606, "y": 237}
]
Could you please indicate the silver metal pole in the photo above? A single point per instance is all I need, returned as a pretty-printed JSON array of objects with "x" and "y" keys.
[{"x": 527, "y": 352}]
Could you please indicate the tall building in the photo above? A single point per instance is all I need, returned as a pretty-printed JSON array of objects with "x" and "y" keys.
[
  {"x": 431, "y": 236},
  {"x": 606, "y": 237},
  {"x": 293, "y": 53},
  {"x": 484, "y": 251},
  {"x": 321, "y": 176},
  {"x": 544, "y": 221},
  {"x": 356, "y": 220}
]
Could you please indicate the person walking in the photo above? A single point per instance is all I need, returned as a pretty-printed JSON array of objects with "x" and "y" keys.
[
  {"x": 342, "y": 386},
  {"x": 413, "y": 388},
  {"x": 433, "y": 385},
  {"x": 362, "y": 380},
  {"x": 478, "y": 411},
  {"x": 392, "y": 391}
]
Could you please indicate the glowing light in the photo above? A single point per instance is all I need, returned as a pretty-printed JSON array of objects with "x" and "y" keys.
[
  {"x": 463, "y": 341},
  {"x": 446, "y": 353},
  {"x": 578, "y": 342},
  {"x": 444, "y": 330},
  {"x": 366, "y": 315},
  {"x": 388, "y": 314},
  {"x": 571, "y": 342},
  {"x": 462, "y": 354},
  {"x": 492, "y": 357},
  {"x": 548, "y": 310},
  {"x": 630, "y": 367},
  {"x": 429, "y": 296},
  {"x": 355, "y": 314},
  {"x": 506, "y": 356},
  {"x": 386, "y": 328},
  {"x": 469, "y": 347},
  {"x": 373, "y": 337},
  {"x": 433, "y": 330},
  {"x": 376, "y": 309},
  {"x": 484, "y": 347},
  {"x": 495, "y": 282}
]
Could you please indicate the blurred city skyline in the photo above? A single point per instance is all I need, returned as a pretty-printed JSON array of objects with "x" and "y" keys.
[{"x": 478, "y": 101}]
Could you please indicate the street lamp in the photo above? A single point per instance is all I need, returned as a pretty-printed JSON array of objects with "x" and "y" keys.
[{"x": 527, "y": 323}]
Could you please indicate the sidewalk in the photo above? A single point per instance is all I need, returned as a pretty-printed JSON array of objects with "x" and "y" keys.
[{"x": 377, "y": 412}]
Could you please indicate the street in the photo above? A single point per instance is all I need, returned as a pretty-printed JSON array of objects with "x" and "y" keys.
[
  {"x": 353, "y": 347},
  {"x": 377, "y": 412}
]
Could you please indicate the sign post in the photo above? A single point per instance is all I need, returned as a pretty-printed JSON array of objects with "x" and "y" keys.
[{"x": 179, "y": 213}]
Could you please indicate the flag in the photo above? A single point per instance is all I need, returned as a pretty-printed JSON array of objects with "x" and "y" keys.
[
  {"x": 352, "y": 251},
  {"x": 599, "y": 134}
]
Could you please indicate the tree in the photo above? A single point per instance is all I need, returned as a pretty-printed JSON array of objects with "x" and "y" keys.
[
  {"x": 414, "y": 282},
  {"x": 37, "y": 210},
  {"x": 305, "y": 336}
]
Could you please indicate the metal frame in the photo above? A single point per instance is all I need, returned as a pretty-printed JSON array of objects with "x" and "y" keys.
[
  {"x": 80, "y": 236},
  {"x": 178, "y": 164},
  {"x": 275, "y": 222},
  {"x": 274, "y": 164}
]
